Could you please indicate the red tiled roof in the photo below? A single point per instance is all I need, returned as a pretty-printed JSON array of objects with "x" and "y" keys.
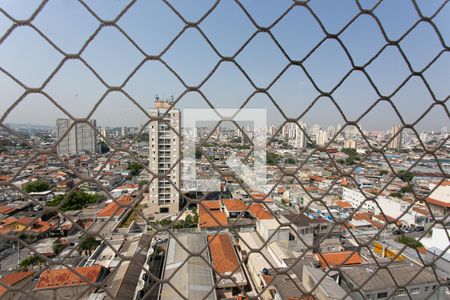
[
  {"x": 57, "y": 278},
  {"x": 337, "y": 258},
  {"x": 311, "y": 188},
  {"x": 223, "y": 256},
  {"x": 424, "y": 211},
  {"x": 281, "y": 190},
  {"x": 5, "y": 178},
  {"x": 437, "y": 202},
  {"x": 316, "y": 178},
  {"x": 205, "y": 220},
  {"x": 12, "y": 279},
  {"x": 127, "y": 186},
  {"x": 362, "y": 216},
  {"x": 234, "y": 204},
  {"x": 343, "y": 204},
  {"x": 259, "y": 211},
  {"x": 211, "y": 204},
  {"x": 113, "y": 209},
  {"x": 41, "y": 227},
  {"x": 6, "y": 209}
]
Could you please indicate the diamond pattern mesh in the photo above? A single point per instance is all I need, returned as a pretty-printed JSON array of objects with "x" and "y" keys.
[{"x": 415, "y": 70}]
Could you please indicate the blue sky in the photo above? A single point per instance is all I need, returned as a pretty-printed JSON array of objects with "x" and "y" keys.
[{"x": 152, "y": 25}]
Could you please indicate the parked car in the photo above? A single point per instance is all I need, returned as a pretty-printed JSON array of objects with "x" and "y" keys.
[
  {"x": 419, "y": 228},
  {"x": 397, "y": 232}
]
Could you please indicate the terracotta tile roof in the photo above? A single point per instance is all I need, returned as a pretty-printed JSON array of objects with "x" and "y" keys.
[
  {"x": 211, "y": 204},
  {"x": 362, "y": 216},
  {"x": 337, "y": 258},
  {"x": 281, "y": 190},
  {"x": 113, "y": 209},
  {"x": 57, "y": 278},
  {"x": 344, "y": 182},
  {"x": 258, "y": 196},
  {"x": 311, "y": 188},
  {"x": 437, "y": 202},
  {"x": 205, "y": 220},
  {"x": 127, "y": 186},
  {"x": 26, "y": 220},
  {"x": 424, "y": 211},
  {"x": 259, "y": 211},
  {"x": 234, "y": 204},
  {"x": 223, "y": 256},
  {"x": 316, "y": 178},
  {"x": 41, "y": 227},
  {"x": 12, "y": 279},
  {"x": 343, "y": 204},
  {"x": 5, "y": 178},
  {"x": 6, "y": 209}
]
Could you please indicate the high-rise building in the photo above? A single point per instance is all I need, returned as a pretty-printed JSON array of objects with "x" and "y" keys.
[
  {"x": 81, "y": 138},
  {"x": 396, "y": 142},
  {"x": 321, "y": 138},
  {"x": 300, "y": 137},
  {"x": 164, "y": 151},
  {"x": 350, "y": 143},
  {"x": 423, "y": 137}
]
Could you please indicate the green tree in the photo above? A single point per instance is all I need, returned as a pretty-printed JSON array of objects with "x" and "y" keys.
[
  {"x": 198, "y": 153},
  {"x": 272, "y": 158},
  {"x": 291, "y": 161},
  {"x": 103, "y": 147},
  {"x": 405, "y": 175},
  {"x": 88, "y": 244},
  {"x": 75, "y": 200},
  {"x": 349, "y": 151},
  {"x": 36, "y": 186},
  {"x": 410, "y": 242},
  {"x": 58, "y": 247},
  {"x": 135, "y": 168},
  {"x": 30, "y": 262}
]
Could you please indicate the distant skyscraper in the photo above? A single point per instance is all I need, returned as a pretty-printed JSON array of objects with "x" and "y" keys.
[
  {"x": 164, "y": 151},
  {"x": 300, "y": 137},
  {"x": 423, "y": 137},
  {"x": 350, "y": 144},
  {"x": 80, "y": 138},
  {"x": 396, "y": 143},
  {"x": 321, "y": 138}
]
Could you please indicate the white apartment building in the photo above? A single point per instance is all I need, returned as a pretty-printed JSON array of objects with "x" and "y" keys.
[
  {"x": 81, "y": 137},
  {"x": 391, "y": 207},
  {"x": 164, "y": 151},
  {"x": 300, "y": 137},
  {"x": 321, "y": 138},
  {"x": 396, "y": 142},
  {"x": 350, "y": 144}
]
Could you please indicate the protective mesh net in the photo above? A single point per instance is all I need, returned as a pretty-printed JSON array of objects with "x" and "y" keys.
[{"x": 192, "y": 249}]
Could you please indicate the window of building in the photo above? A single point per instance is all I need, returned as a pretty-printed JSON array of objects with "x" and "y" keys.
[
  {"x": 427, "y": 288},
  {"x": 163, "y": 210},
  {"x": 382, "y": 295},
  {"x": 401, "y": 292},
  {"x": 414, "y": 291}
]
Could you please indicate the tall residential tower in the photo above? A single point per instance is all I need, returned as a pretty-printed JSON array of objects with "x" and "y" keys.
[
  {"x": 396, "y": 142},
  {"x": 164, "y": 151}
]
